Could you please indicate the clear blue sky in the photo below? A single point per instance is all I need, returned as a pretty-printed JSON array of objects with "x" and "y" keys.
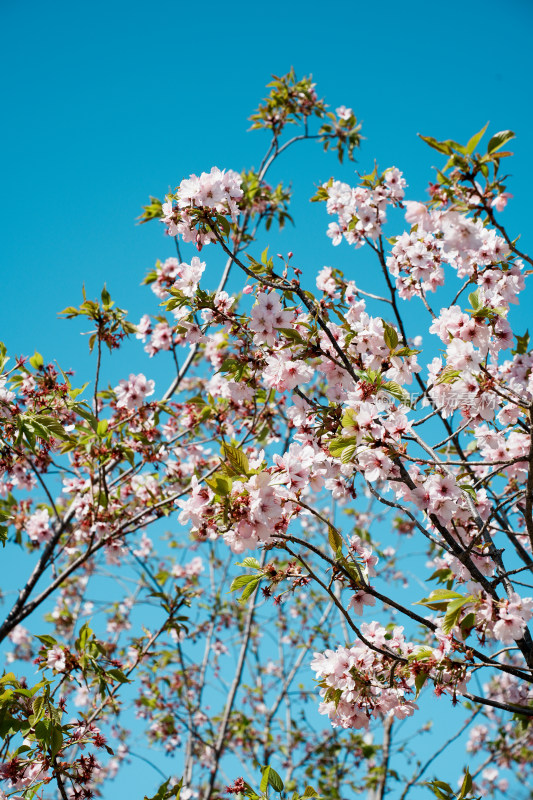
[{"x": 105, "y": 103}]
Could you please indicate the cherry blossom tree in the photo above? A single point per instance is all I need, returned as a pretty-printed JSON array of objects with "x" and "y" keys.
[{"x": 223, "y": 563}]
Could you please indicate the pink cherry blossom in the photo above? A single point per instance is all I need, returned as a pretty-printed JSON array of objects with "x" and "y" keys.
[{"x": 132, "y": 393}]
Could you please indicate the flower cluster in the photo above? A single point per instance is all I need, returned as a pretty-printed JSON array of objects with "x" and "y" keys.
[
  {"x": 132, "y": 393},
  {"x": 216, "y": 191},
  {"x": 357, "y": 683},
  {"x": 361, "y": 211}
]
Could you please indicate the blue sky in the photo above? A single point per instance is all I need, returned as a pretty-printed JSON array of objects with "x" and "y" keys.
[{"x": 107, "y": 102}]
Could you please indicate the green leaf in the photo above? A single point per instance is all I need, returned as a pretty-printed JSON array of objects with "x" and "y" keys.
[
  {"x": 397, "y": 391},
  {"x": 43, "y": 730},
  {"x": 469, "y": 490},
  {"x": 498, "y": 140},
  {"x": 129, "y": 454},
  {"x": 292, "y": 334},
  {"x": 474, "y": 141},
  {"x": 165, "y": 791},
  {"x": 406, "y": 351},
  {"x": 152, "y": 211},
  {"x": 230, "y": 365},
  {"x": 38, "y": 707},
  {"x": 353, "y": 569},
  {"x": 3, "y": 355},
  {"x": 220, "y": 483},
  {"x": 237, "y": 460},
  {"x": 448, "y": 375},
  {"x": 421, "y": 654},
  {"x": 52, "y": 425},
  {"x": 106, "y": 297},
  {"x": 441, "y": 790},
  {"x": 273, "y": 780},
  {"x": 466, "y": 785},
  {"x": 390, "y": 335},
  {"x": 250, "y": 589},
  {"x": 334, "y": 539},
  {"x": 310, "y": 792},
  {"x": 522, "y": 344},
  {"x": 248, "y": 583},
  {"x": 118, "y": 675},
  {"x": 47, "y": 640},
  {"x": 338, "y": 444},
  {"x": 250, "y": 562},
  {"x": 101, "y": 428},
  {"x": 241, "y": 581},
  {"x": 453, "y": 613},
  {"x": 36, "y": 360},
  {"x": 348, "y": 453},
  {"x": 84, "y": 636},
  {"x": 474, "y": 300},
  {"x": 264, "y": 780},
  {"x": 56, "y": 740},
  {"x": 349, "y": 418},
  {"x": 87, "y": 415},
  {"x": 468, "y": 622},
  {"x": 73, "y": 393},
  {"x": 420, "y": 680},
  {"x": 438, "y": 599},
  {"x": 442, "y": 147},
  {"x": 441, "y": 575}
]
